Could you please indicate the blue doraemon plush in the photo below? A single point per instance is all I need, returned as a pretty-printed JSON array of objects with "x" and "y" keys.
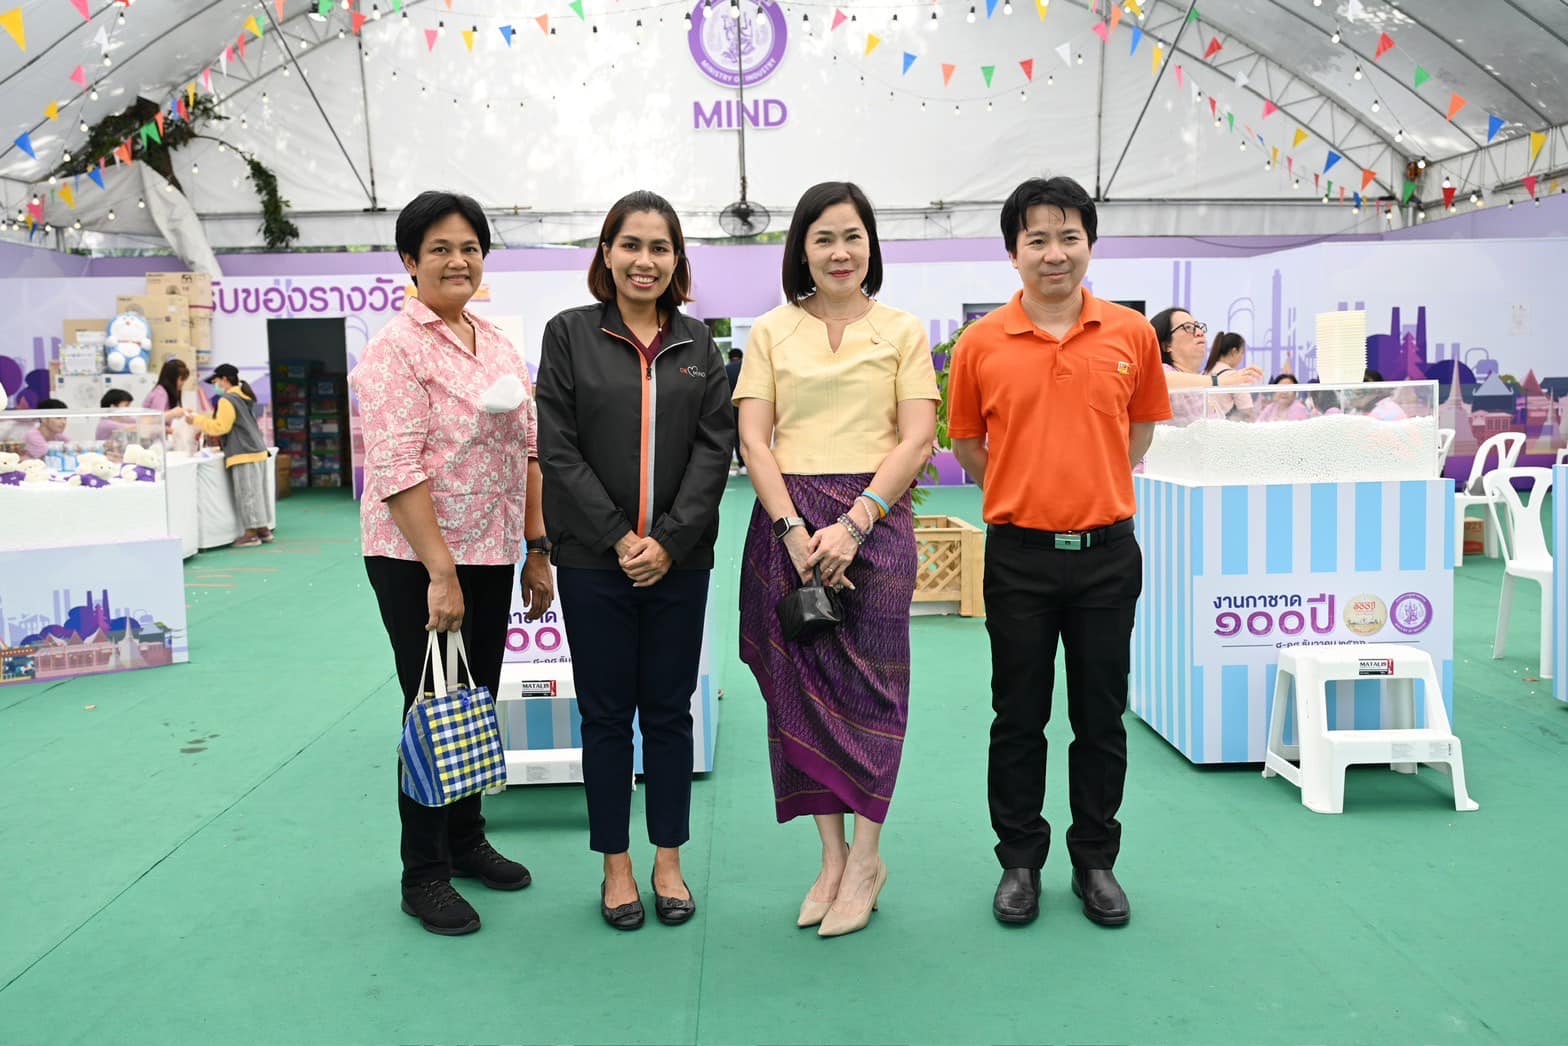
[{"x": 128, "y": 347}]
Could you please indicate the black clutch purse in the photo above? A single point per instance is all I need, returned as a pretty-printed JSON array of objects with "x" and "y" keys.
[{"x": 809, "y": 609}]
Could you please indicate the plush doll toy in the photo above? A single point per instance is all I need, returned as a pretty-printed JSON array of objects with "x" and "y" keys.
[
  {"x": 94, "y": 470},
  {"x": 140, "y": 465},
  {"x": 11, "y": 474},
  {"x": 127, "y": 350},
  {"x": 34, "y": 471}
]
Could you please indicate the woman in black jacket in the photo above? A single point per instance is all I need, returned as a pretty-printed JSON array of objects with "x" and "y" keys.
[{"x": 635, "y": 431}]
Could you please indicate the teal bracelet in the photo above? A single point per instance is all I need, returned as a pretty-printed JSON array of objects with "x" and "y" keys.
[{"x": 884, "y": 506}]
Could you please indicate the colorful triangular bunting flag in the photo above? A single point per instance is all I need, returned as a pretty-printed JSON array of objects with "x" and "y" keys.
[
  {"x": 1537, "y": 139},
  {"x": 1065, "y": 53},
  {"x": 1333, "y": 158},
  {"x": 431, "y": 36},
  {"x": 52, "y": 110},
  {"x": 1421, "y": 76},
  {"x": 1385, "y": 44},
  {"x": 947, "y": 73},
  {"x": 1455, "y": 103},
  {"x": 1137, "y": 38},
  {"x": 80, "y": 76},
  {"x": 1103, "y": 32},
  {"x": 1269, "y": 109},
  {"x": 82, "y": 9},
  {"x": 872, "y": 40},
  {"x": 575, "y": 5},
  {"x": 839, "y": 18},
  {"x": 68, "y": 195},
  {"x": 1215, "y": 47},
  {"x": 506, "y": 32},
  {"x": 11, "y": 22},
  {"x": 988, "y": 71},
  {"x": 96, "y": 174},
  {"x": 909, "y": 60},
  {"x": 1528, "y": 181},
  {"x": 1301, "y": 136},
  {"x": 24, "y": 142},
  {"x": 468, "y": 40},
  {"x": 1159, "y": 55},
  {"x": 544, "y": 24},
  {"x": 1027, "y": 65}
]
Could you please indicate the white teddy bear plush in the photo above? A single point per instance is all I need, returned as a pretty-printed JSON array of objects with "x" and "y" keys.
[
  {"x": 35, "y": 471},
  {"x": 11, "y": 474},
  {"x": 128, "y": 348},
  {"x": 141, "y": 464},
  {"x": 94, "y": 470}
]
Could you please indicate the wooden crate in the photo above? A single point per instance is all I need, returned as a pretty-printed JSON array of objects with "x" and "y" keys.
[{"x": 952, "y": 563}]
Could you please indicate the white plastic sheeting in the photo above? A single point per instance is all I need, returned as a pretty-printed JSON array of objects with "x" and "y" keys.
[{"x": 548, "y": 130}]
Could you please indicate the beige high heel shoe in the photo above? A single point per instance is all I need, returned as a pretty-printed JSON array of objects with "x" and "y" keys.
[
  {"x": 835, "y": 924},
  {"x": 812, "y": 912}
]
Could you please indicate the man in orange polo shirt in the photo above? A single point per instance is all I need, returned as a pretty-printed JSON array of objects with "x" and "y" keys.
[{"x": 1053, "y": 398}]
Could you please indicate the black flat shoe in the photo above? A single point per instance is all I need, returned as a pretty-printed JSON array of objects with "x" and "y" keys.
[
  {"x": 622, "y": 917},
  {"x": 672, "y": 911},
  {"x": 1017, "y": 900},
  {"x": 1104, "y": 901}
]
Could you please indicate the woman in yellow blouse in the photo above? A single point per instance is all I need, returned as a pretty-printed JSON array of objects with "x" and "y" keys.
[{"x": 837, "y": 400}]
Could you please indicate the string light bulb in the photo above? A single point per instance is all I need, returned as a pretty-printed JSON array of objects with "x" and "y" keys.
[
  {"x": 140, "y": 202},
  {"x": 1376, "y": 105},
  {"x": 1399, "y": 135},
  {"x": 110, "y": 215},
  {"x": 1080, "y": 57},
  {"x": 1050, "y": 81},
  {"x": 1023, "y": 96},
  {"x": 93, "y": 94},
  {"x": 107, "y": 61},
  {"x": 1358, "y": 72},
  {"x": 82, "y": 127},
  {"x": 77, "y": 225},
  {"x": 1333, "y": 37},
  {"x": 375, "y": 11},
  {"x": 987, "y": 106},
  {"x": 970, "y": 17},
  {"x": 1007, "y": 8},
  {"x": 931, "y": 25},
  {"x": 195, "y": 168}
]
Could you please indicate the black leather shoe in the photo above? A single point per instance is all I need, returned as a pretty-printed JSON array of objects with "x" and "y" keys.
[
  {"x": 672, "y": 911},
  {"x": 440, "y": 909},
  {"x": 624, "y": 916},
  {"x": 490, "y": 868},
  {"x": 1017, "y": 899},
  {"x": 1104, "y": 901}
]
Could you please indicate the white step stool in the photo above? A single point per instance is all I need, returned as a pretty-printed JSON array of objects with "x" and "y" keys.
[{"x": 1324, "y": 754}]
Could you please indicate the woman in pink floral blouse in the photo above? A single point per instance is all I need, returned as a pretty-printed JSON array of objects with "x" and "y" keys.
[{"x": 451, "y": 492}]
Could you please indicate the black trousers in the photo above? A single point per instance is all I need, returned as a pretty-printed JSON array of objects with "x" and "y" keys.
[
  {"x": 431, "y": 835},
  {"x": 1036, "y": 595},
  {"x": 635, "y": 652}
]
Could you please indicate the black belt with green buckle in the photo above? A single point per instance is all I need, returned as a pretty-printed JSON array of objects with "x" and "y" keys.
[{"x": 1062, "y": 540}]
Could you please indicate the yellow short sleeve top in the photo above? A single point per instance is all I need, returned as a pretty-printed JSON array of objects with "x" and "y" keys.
[{"x": 836, "y": 412}]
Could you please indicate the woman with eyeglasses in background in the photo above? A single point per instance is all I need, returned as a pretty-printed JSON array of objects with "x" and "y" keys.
[{"x": 1183, "y": 348}]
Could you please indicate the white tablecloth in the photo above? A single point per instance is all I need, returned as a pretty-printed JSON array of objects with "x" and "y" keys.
[
  {"x": 217, "y": 520},
  {"x": 184, "y": 513}
]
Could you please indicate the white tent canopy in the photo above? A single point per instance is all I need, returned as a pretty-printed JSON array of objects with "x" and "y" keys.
[{"x": 547, "y": 116}]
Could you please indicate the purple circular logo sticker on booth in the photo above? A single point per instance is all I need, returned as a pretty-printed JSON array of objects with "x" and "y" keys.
[
  {"x": 1411, "y": 613},
  {"x": 726, "y": 39}
]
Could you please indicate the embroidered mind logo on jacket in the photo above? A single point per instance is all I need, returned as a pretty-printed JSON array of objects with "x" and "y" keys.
[{"x": 693, "y": 371}]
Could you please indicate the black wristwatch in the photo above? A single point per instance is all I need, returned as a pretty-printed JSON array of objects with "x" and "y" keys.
[
  {"x": 784, "y": 524},
  {"x": 1214, "y": 379},
  {"x": 538, "y": 545}
]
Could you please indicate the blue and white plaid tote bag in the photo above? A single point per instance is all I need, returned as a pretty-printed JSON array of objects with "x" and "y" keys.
[{"x": 451, "y": 745}]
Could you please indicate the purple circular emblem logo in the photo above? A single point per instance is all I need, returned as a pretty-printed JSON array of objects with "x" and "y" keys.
[
  {"x": 726, "y": 40},
  {"x": 1411, "y": 613}
]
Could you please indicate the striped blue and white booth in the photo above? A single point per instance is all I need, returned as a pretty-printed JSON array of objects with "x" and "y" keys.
[
  {"x": 1233, "y": 573},
  {"x": 1560, "y": 582}
]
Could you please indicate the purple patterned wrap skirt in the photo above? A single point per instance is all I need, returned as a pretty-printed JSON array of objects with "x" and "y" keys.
[{"x": 838, "y": 701}]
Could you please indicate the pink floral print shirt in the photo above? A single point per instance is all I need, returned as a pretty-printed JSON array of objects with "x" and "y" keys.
[{"x": 421, "y": 408}]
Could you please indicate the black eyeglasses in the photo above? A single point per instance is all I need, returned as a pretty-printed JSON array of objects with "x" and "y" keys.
[{"x": 1192, "y": 327}]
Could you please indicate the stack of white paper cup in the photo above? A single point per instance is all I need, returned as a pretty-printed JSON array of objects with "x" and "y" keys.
[{"x": 1342, "y": 347}]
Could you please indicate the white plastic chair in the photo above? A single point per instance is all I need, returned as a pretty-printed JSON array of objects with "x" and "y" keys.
[
  {"x": 1524, "y": 550},
  {"x": 1506, "y": 445},
  {"x": 1445, "y": 443}
]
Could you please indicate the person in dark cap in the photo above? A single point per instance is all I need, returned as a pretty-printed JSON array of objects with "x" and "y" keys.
[{"x": 233, "y": 422}]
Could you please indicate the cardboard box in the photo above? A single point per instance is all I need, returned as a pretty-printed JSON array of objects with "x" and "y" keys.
[
  {"x": 165, "y": 308},
  {"x": 73, "y": 327},
  {"x": 161, "y": 353},
  {"x": 285, "y": 464},
  {"x": 196, "y": 287},
  {"x": 201, "y": 329}
]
